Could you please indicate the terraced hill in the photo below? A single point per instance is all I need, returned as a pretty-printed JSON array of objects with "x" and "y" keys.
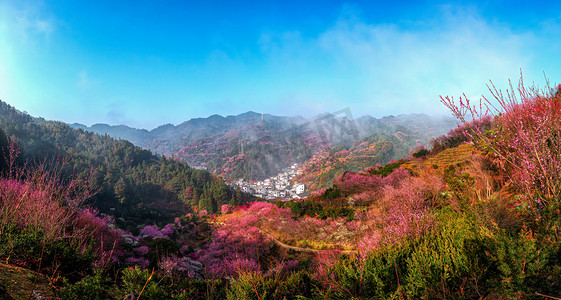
[{"x": 442, "y": 160}]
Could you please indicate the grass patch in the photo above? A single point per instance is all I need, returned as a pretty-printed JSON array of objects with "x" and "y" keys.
[{"x": 21, "y": 283}]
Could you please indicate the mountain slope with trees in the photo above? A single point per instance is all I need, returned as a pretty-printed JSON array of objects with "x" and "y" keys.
[
  {"x": 254, "y": 146},
  {"x": 133, "y": 184},
  {"x": 476, "y": 217}
]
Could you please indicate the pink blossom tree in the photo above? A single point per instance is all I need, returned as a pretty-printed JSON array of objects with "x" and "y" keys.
[{"x": 525, "y": 138}]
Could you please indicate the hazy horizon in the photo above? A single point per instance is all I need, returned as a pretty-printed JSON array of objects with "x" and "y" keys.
[
  {"x": 226, "y": 116},
  {"x": 149, "y": 64}
]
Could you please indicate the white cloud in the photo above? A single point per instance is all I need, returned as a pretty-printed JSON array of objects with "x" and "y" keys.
[
  {"x": 391, "y": 68},
  {"x": 26, "y": 21}
]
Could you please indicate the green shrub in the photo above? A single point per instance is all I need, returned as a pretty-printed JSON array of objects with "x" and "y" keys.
[
  {"x": 254, "y": 285},
  {"x": 421, "y": 153},
  {"x": 335, "y": 211},
  {"x": 332, "y": 193},
  {"x": 134, "y": 280},
  {"x": 32, "y": 250},
  {"x": 93, "y": 287},
  {"x": 444, "y": 261},
  {"x": 387, "y": 169},
  {"x": 462, "y": 185},
  {"x": 375, "y": 276},
  {"x": 457, "y": 260}
]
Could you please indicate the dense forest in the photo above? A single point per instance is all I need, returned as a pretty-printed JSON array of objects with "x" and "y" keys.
[{"x": 132, "y": 184}]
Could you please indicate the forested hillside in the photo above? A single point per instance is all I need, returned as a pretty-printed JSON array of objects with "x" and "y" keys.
[
  {"x": 133, "y": 184},
  {"x": 254, "y": 146},
  {"x": 379, "y": 149}
]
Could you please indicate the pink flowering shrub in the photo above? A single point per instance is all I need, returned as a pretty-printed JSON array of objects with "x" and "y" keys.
[
  {"x": 279, "y": 223},
  {"x": 140, "y": 262},
  {"x": 264, "y": 212},
  {"x": 179, "y": 267},
  {"x": 43, "y": 202},
  {"x": 395, "y": 178},
  {"x": 225, "y": 209},
  {"x": 25, "y": 205},
  {"x": 351, "y": 183},
  {"x": 368, "y": 189},
  {"x": 318, "y": 192},
  {"x": 525, "y": 139},
  {"x": 403, "y": 212},
  {"x": 242, "y": 265},
  {"x": 239, "y": 245},
  {"x": 459, "y": 135},
  {"x": 42, "y": 221},
  {"x": 175, "y": 242},
  {"x": 284, "y": 267},
  {"x": 151, "y": 231},
  {"x": 367, "y": 197},
  {"x": 244, "y": 240},
  {"x": 406, "y": 210},
  {"x": 232, "y": 249},
  {"x": 325, "y": 262},
  {"x": 106, "y": 238},
  {"x": 142, "y": 250},
  {"x": 168, "y": 230}
]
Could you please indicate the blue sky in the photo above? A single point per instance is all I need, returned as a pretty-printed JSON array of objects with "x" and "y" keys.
[{"x": 147, "y": 63}]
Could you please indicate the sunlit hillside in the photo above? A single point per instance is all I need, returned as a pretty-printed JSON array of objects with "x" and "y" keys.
[
  {"x": 280, "y": 150},
  {"x": 475, "y": 216}
]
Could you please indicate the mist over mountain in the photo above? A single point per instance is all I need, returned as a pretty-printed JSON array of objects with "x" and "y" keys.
[{"x": 255, "y": 146}]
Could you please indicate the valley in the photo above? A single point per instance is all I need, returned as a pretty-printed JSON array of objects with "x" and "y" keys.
[
  {"x": 254, "y": 147},
  {"x": 280, "y": 150},
  {"x": 79, "y": 205}
]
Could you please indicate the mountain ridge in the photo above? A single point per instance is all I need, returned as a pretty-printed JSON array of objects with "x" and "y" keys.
[{"x": 254, "y": 146}]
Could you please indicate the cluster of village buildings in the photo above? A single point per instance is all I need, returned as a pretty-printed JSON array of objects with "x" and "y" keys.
[{"x": 276, "y": 187}]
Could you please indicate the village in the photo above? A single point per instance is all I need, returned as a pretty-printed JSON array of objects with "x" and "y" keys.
[{"x": 276, "y": 187}]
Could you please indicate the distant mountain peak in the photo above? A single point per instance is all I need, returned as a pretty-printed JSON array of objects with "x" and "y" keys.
[{"x": 215, "y": 140}]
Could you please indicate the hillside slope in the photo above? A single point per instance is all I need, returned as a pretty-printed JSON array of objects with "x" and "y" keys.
[
  {"x": 134, "y": 185},
  {"x": 254, "y": 146}
]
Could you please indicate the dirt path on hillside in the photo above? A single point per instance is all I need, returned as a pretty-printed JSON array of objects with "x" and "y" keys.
[
  {"x": 300, "y": 249},
  {"x": 295, "y": 248}
]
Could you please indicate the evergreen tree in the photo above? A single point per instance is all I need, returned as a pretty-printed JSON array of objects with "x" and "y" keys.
[
  {"x": 195, "y": 200},
  {"x": 121, "y": 190},
  {"x": 4, "y": 143},
  {"x": 206, "y": 204}
]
